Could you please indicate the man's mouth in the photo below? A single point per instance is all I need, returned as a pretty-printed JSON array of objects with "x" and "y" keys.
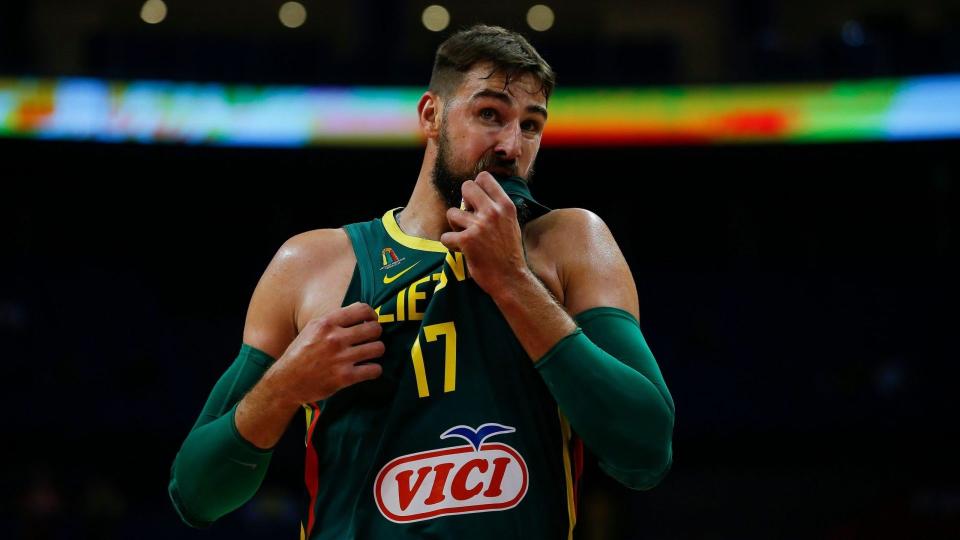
[{"x": 497, "y": 167}]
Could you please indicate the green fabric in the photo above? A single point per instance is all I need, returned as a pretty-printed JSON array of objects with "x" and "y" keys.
[
  {"x": 367, "y": 426},
  {"x": 608, "y": 385},
  {"x": 216, "y": 469},
  {"x": 519, "y": 192}
]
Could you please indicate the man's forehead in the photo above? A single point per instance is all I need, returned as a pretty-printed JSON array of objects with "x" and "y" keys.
[{"x": 524, "y": 86}]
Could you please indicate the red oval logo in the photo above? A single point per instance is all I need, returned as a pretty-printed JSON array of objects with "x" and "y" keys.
[{"x": 457, "y": 480}]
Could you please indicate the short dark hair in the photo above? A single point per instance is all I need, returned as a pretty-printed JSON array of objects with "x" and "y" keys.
[{"x": 509, "y": 52}]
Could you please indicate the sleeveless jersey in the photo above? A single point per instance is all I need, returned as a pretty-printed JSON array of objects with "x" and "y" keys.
[{"x": 459, "y": 438}]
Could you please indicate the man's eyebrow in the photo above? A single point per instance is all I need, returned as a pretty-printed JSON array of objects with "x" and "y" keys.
[{"x": 506, "y": 99}]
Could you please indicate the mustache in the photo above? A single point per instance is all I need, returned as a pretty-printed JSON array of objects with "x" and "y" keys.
[{"x": 489, "y": 161}]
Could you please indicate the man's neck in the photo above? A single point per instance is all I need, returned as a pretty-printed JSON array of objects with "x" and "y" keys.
[{"x": 425, "y": 215}]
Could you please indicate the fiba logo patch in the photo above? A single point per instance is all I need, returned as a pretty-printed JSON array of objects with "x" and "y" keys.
[
  {"x": 476, "y": 477},
  {"x": 390, "y": 258}
]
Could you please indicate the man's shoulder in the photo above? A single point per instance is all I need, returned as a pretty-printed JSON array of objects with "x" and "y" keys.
[
  {"x": 577, "y": 247},
  {"x": 564, "y": 229},
  {"x": 312, "y": 270},
  {"x": 306, "y": 254},
  {"x": 314, "y": 243},
  {"x": 559, "y": 240},
  {"x": 568, "y": 216},
  {"x": 301, "y": 281}
]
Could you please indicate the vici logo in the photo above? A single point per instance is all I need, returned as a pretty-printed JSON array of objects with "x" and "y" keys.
[{"x": 477, "y": 477}]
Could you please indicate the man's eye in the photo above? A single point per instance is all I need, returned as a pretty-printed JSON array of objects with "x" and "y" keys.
[
  {"x": 488, "y": 114},
  {"x": 530, "y": 126}
]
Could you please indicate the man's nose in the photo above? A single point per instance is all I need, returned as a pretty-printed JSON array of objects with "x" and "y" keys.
[{"x": 508, "y": 146}]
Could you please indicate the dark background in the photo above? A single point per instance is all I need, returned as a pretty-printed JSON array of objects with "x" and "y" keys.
[{"x": 801, "y": 300}]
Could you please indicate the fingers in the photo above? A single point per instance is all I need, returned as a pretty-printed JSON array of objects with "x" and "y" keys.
[
  {"x": 364, "y": 352},
  {"x": 353, "y": 314},
  {"x": 451, "y": 240},
  {"x": 475, "y": 197},
  {"x": 486, "y": 195},
  {"x": 492, "y": 188},
  {"x": 365, "y": 372},
  {"x": 363, "y": 332},
  {"x": 459, "y": 218}
]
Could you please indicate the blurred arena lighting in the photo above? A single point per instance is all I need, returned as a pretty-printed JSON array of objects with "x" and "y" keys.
[
  {"x": 153, "y": 11},
  {"x": 435, "y": 18},
  {"x": 296, "y": 116},
  {"x": 293, "y": 14},
  {"x": 540, "y": 17}
]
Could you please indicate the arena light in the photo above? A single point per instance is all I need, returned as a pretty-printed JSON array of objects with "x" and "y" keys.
[
  {"x": 916, "y": 108},
  {"x": 540, "y": 17},
  {"x": 293, "y": 14},
  {"x": 435, "y": 18},
  {"x": 153, "y": 11}
]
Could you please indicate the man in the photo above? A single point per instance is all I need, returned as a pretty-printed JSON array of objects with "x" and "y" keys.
[{"x": 443, "y": 352}]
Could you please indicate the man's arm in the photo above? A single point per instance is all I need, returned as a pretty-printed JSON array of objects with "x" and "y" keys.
[
  {"x": 602, "y": 376},
  {"x": 262, "y": 416},
  {"x": 225, "y": 456}
]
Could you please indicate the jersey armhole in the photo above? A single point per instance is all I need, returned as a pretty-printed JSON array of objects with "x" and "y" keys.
[
  {"x": 363, "y": 272},
  {"x": 354, "y": 291}
]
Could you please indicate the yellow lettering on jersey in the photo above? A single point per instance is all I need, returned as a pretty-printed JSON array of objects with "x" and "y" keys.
[
  {"x": 388, "y": 317},
  {"x": 457, "y": 264},
  {"x": 449, "y": 330},
  {"x": 432, "y": 332},
  {"x": 419, "y": 369},
  {"x": 401, "y": 305},
  {"x": 413, "y": 314},
  {"x": 442, "y": 276}
]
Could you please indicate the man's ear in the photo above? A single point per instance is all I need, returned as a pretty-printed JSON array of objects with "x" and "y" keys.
[{"x": 429, "y": 110}]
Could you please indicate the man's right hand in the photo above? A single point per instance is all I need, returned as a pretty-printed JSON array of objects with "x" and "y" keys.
[{"x": 330, "y": 353}]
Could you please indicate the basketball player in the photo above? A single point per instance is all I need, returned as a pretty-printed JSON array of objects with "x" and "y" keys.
[{"x": 450, "y": 356}]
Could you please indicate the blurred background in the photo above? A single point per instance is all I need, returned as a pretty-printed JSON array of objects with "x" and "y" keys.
[{"x": 782, "y": 177}]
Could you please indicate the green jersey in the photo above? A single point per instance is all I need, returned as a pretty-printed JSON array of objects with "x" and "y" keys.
[{"x": 459, "y": 438}]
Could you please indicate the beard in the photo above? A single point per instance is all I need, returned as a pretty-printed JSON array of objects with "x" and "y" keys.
[{"x": 447, "y": 181}]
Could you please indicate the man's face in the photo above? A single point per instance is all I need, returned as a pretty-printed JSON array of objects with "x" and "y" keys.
[{"x": 487, "y": 126}]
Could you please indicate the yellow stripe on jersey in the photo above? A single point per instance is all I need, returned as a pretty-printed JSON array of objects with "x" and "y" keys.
[
  {"x": 404, "y": 239},
  {"x": 309, "y": 416}
]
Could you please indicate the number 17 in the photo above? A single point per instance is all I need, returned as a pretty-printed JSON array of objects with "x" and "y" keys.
[{"x": 432, "y": 332}]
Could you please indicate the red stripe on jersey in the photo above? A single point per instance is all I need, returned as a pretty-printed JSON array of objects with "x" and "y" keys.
[{"x": 577, "y": 458}]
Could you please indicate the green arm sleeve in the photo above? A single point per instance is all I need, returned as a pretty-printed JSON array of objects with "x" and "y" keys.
[
  {"x": 216, "y": 469},
  {"x": 608, "y": 385}
]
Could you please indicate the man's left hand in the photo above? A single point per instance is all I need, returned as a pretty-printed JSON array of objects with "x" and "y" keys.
[{"x": 488, "y": 234}]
